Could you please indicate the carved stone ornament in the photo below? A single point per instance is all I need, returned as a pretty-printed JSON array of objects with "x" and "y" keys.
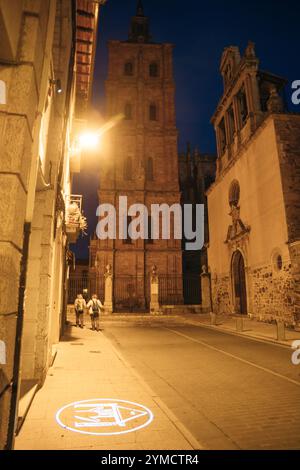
[
  {"x": 108, "y": 272},
  {"x": 238, "y": 229},
  {"x": 154, "y": 275}
]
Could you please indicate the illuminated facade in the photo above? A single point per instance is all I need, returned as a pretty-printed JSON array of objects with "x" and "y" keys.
[
  {"x": 141, "y": 161},
  {"x": 254, "y": 222},
  {"x": 40, "y": 82}
]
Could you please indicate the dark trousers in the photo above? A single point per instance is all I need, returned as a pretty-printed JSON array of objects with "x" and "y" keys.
[
  {"x": 79, "y": 318},
  {"x": 95, "y": 321}
]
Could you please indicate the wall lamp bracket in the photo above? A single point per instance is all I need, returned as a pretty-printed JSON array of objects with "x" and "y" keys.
[{"x": 57, "y": 84}]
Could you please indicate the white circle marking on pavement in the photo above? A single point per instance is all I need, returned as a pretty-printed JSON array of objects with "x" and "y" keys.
[{"x": 104, "y": 416}]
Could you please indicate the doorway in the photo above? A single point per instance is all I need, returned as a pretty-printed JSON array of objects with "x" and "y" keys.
[{"x": 239, "y": 284}]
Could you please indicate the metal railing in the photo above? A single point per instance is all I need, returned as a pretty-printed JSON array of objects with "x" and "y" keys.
[
  {"x": 132, "y": 293},
  {"x": 87, "y": 285}
]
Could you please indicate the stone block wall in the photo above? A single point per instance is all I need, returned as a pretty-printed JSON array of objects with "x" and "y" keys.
[
  {"x": 221, "y": 297},
  {"x": 270, "y": 294}
]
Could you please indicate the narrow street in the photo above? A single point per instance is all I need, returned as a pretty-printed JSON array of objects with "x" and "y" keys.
[
  {"x": 230, "y": 392},
  {"x": 206, "y": 389}
]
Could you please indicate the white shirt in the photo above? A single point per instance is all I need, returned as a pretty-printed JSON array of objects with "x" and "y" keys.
[{"x": 94, "y": 302}]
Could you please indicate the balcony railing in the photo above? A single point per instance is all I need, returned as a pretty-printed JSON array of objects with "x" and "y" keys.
[{"x": 75, "y": 220}]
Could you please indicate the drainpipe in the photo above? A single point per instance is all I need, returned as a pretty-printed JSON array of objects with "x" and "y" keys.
[{"x": 13, "y": 413}]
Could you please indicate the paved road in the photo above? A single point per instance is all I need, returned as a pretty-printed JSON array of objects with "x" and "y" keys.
[{"x": 230, "y": 392}]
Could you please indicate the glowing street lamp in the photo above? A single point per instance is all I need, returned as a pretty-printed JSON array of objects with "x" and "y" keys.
[{"x": 89, "y": 140}]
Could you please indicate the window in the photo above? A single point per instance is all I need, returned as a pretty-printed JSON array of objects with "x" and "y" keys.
[
  {"x": 149, "y": 169},
  {"x": 128, "y": 240},
  {"x": 243, "y": 105},
  {"x": 128, "y": 112},
  {"x": 153, "y": 112},
  {"x": 149, "y": 239},
  {"x": 277, "y": 261},
  {"x": 231, "y": 123},
  {"x": 153, "y": 69},
  {"x": 128, "y": 169},
  {"x": 128, "y": 69},
  {"x": 234, "y": 193},
  {"x": 222, "y": 136}
]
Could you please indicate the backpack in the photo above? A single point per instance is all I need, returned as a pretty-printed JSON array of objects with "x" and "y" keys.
[{"x": 95, "y": 307}]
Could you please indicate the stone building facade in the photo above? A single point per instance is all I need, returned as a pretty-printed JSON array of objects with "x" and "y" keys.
[
  {"x": 197, "y": 172},
  {"x": 254, "y": 217},
  {"x": 140, "y": 161},
  {"x": 37, "y": 128}
]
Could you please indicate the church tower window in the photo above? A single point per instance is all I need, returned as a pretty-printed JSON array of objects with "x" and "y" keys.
[
  {"x": 149, "y": 172},
  {"x": 243, "y": 105},
  {"x": 128, "y": 69},
  {"x": 222, "y": 136},
  {"x": 128, "y": 169},
  {"x": 153, "y": 70},
  {"x": 153, "y": 112},
  {"x": 128, "y": 111},
  {"x": 234, "y": 193}
]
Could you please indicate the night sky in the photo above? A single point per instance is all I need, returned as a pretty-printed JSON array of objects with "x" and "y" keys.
[{"x": 200, "y": 31}]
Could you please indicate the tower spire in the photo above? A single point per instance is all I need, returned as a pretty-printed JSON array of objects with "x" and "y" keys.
[
  {"x": 140, "y": 30},
  {"x": 140, "y": 8}
]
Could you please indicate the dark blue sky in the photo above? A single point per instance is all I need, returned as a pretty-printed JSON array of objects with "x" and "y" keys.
[{"x": 200, "y": 30}]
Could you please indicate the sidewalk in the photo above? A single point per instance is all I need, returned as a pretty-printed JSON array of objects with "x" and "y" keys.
[
  {"x": 252, "y": 328},
  {"x": 88, "y": 367}
]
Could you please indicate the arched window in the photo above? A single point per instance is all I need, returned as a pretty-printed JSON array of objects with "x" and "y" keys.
[
  {"x": 128, "y": 169},
  {"x": 234, "y": 193},
  {"x": 153, "y": 112},
  {"x": 2, "y": 92},
  {"x": 128, "y": 111},
  {"x": 149, "y": 169},
  {"x": 153, "y": 69},
  {"x": 243, "y": 105},
  {"x": 128, "y": 69}
]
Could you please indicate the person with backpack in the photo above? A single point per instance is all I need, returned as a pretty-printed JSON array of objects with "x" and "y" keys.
[
  {"x": 95, "y": 306},
  {"x": 80, "y": 306}
]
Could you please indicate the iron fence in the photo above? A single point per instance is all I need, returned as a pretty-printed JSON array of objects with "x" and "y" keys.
[
  {"x": 132, "y": 293},
  {"x": 170, "y": 290},
  {"x": 91, "y": 284}
]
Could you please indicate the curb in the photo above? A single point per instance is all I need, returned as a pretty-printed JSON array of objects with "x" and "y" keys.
[{"x": 261, "y": 339}]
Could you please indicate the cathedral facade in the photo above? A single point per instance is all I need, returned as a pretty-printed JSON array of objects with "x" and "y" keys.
[
  {"x": 253, "y": 207},
  {"x": 140, "y": 162}
]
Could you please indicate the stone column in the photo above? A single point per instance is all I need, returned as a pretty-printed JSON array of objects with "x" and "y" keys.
[
  {"x": 206, "y": 291},
  {"x": 154, "y": 286},
  {"x": 108, "y": 291}
]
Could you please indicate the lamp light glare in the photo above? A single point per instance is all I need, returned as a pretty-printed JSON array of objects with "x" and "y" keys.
[{"x": 89, "y": 140}]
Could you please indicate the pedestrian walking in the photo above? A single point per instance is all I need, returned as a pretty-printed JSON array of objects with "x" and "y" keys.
[
  {"x": 95, "y": 306},
  {"x": 85, "y": 295},
  {"x": 80, "y": 306}
]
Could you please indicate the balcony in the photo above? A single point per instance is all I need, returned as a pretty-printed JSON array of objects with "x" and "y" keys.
[{"x": 75, "y": 221}]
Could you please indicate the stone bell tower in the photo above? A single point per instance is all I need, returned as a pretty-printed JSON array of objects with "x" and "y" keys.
[{"x": 141, "y": 158}]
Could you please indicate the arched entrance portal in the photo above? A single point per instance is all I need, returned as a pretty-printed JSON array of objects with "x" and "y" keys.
[{"x": 239, "y": 284}]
